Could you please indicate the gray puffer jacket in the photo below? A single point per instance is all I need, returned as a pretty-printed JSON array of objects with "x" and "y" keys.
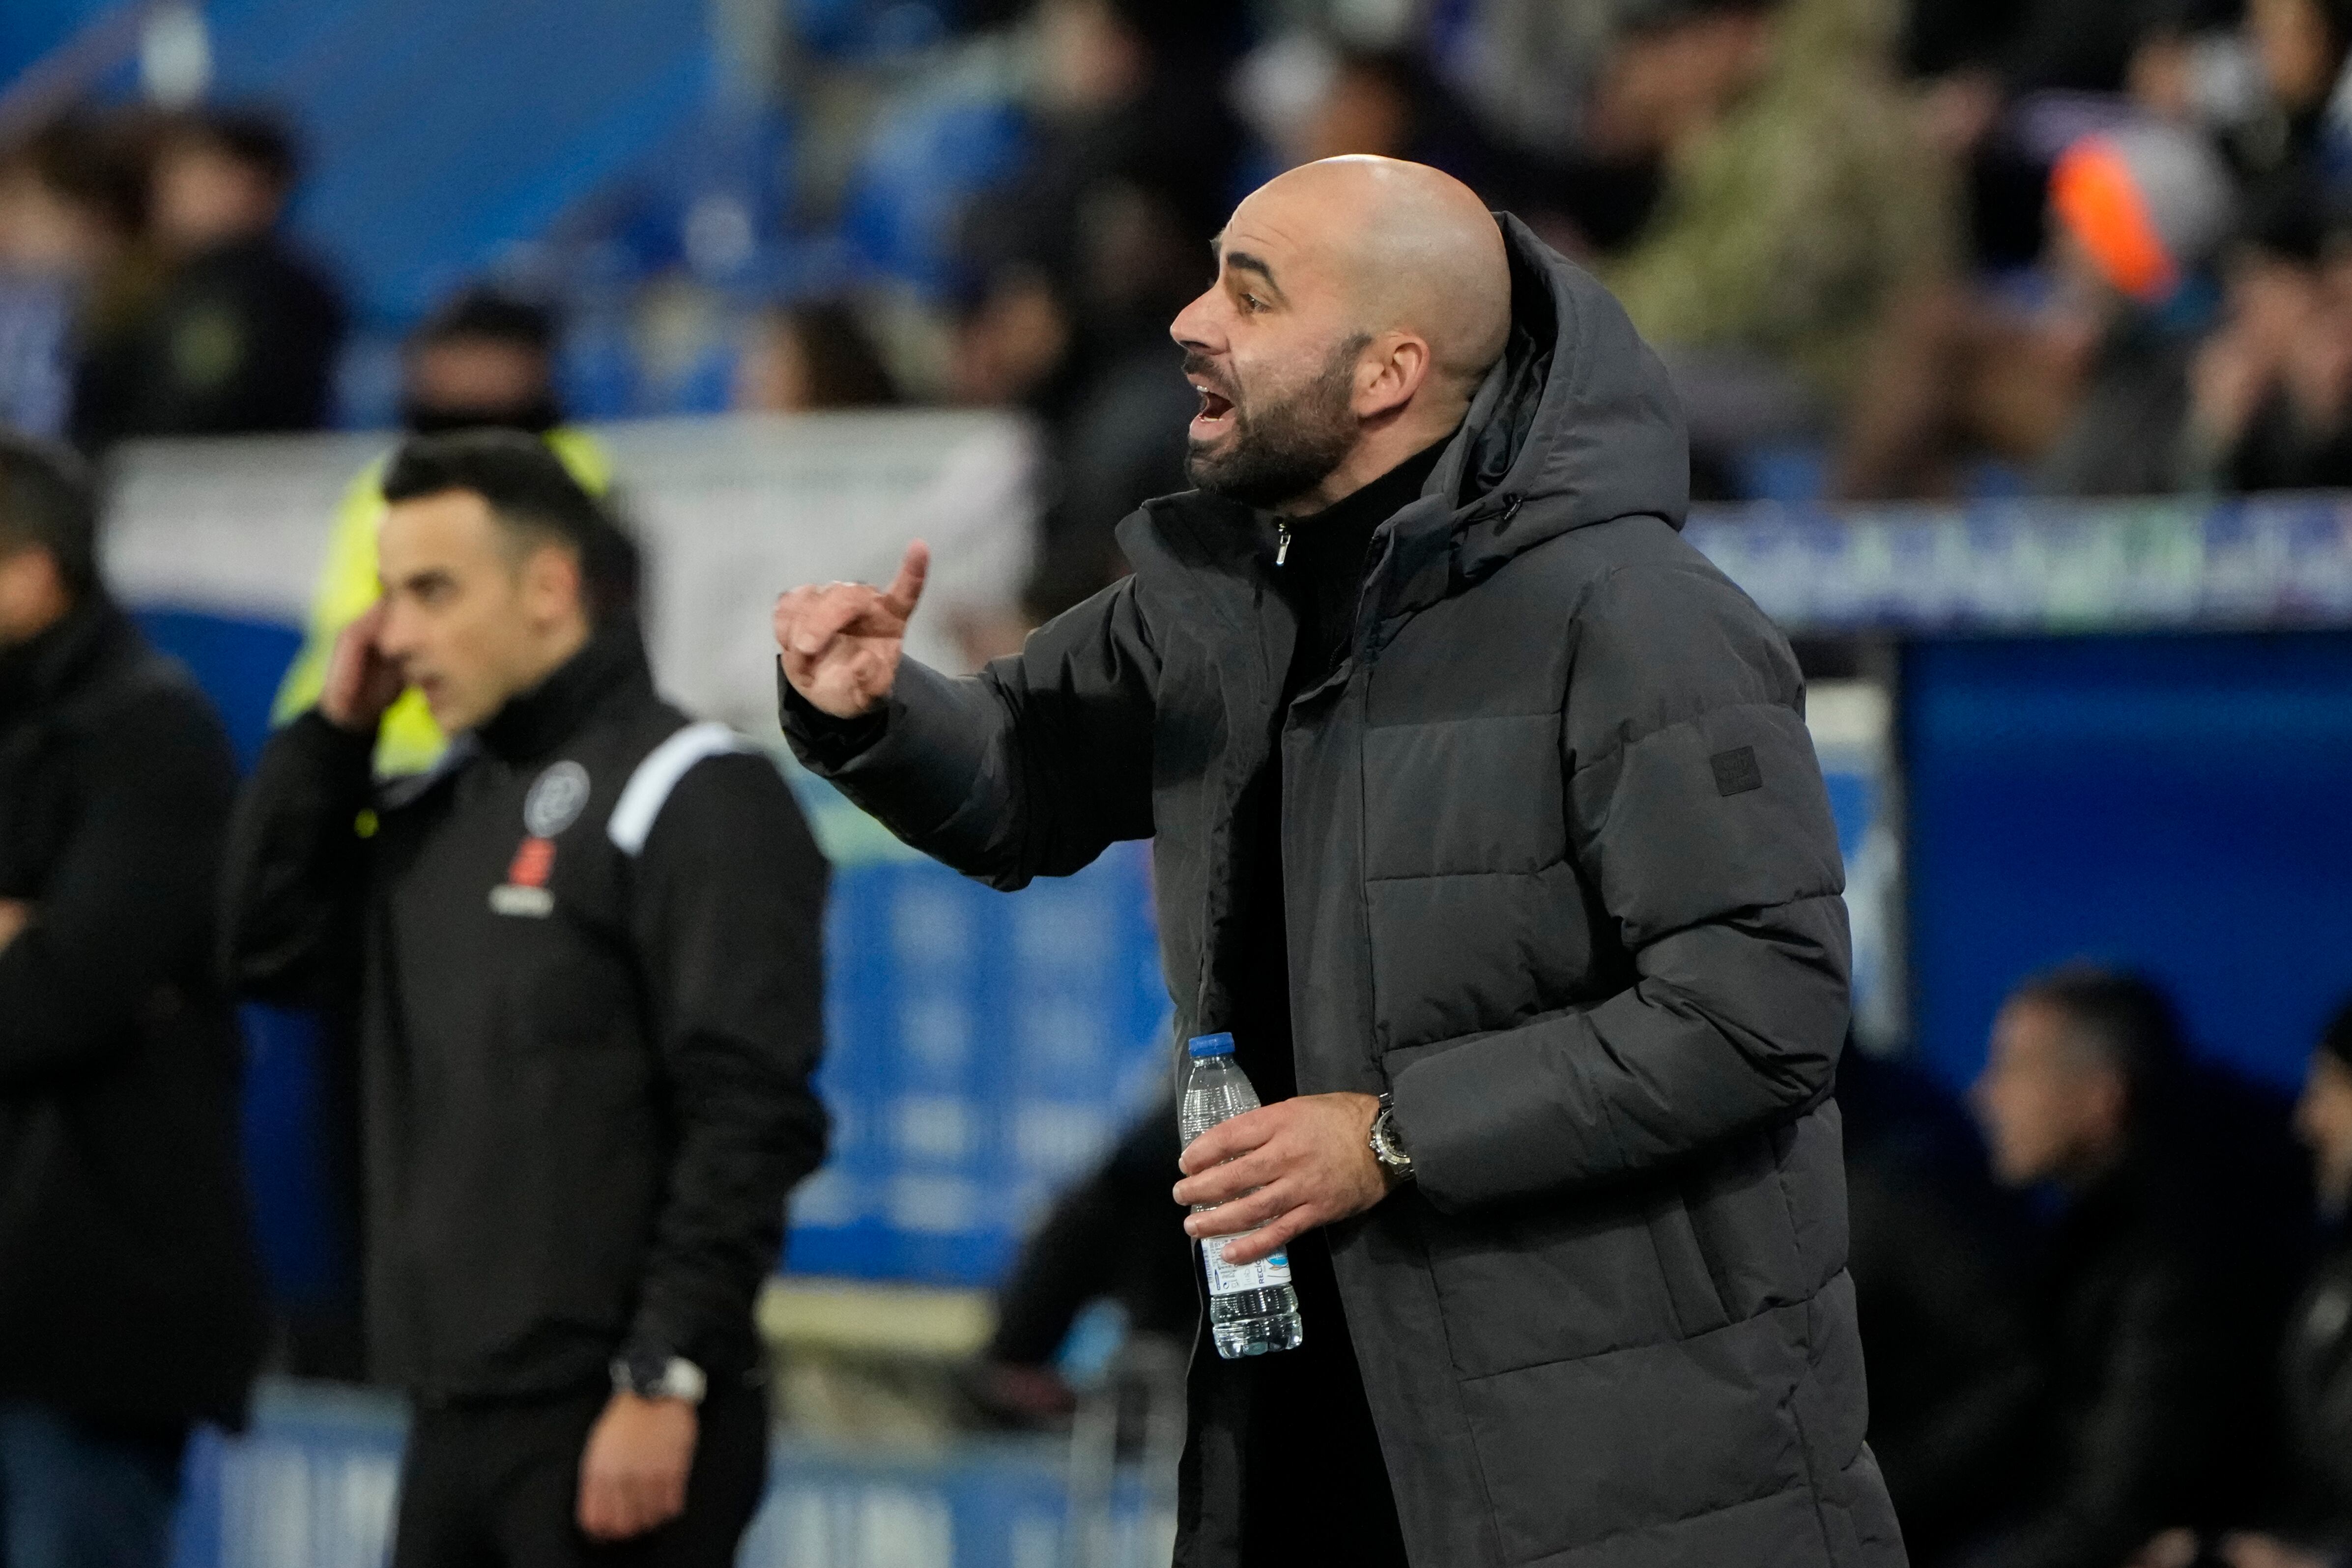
[{"x": 1560, "y": 874}]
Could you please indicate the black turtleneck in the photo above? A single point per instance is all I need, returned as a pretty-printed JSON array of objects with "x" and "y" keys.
[
  {"x": 1322, "y": 577},
  {"x": 1315, "y": 1487},
  {"x": 609, "y": 668},
  {"x": 1322, "y": 571}
]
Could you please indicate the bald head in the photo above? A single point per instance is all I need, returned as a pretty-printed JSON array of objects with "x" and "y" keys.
[
  {"x": 1414, "y": 248},
  {"x": 1359, "y": 301}
]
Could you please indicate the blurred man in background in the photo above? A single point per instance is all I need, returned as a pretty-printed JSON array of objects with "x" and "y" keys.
[
  {"x": 585, "y": 954},
  {"x": 1938, "y": 1257},
  {"x": 811, "y": 357},
  {"x": 72, "y": 206},
  {"x": 241, "y": 333},
  {"x": 483, "y": 360},
  {"x": 2164, "y": 1273},
  {"x": 1113, "y": 1236},
  {"x": 129, "y": 1298},
  {"x": 2310, "y": 1512}
]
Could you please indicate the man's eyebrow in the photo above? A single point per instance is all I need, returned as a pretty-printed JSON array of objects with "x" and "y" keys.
[{"x": 1243, "y": 261}]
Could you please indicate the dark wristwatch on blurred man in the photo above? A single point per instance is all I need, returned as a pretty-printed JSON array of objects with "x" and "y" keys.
[{"x": 658, "y": 1375}]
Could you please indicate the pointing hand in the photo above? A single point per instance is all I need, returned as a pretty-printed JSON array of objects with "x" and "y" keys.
[{"x": 840, "y": 642}]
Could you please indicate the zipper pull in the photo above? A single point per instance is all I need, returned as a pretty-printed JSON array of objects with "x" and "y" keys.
[{"x": 1281, "y": 542}]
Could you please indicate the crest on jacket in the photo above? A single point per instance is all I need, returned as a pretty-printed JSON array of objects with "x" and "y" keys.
[{"x": 556, "y": 800}]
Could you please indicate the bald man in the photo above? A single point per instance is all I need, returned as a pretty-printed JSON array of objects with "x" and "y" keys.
[{"x": 1486, "y": 821}]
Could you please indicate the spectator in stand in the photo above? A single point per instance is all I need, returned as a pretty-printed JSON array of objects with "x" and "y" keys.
[
  {"x": 1798, "y": 207},
  {"x": 2089, "y": 391},
  {"x": 242, "y": 334},
  {"x": 1385, "y": 103},
  {"x": 130, "y": 1297},
  {"x": 71, "y": 208},
  {"x": 812, "y": 356},
  {"x": 2163, "y": 1277},
  {"x": 2142, "y": 212},
  {"x": 2314, "y": 1529},
  {"x": 2271, "y": 391},
  {"x": 1988, "y": 65},
  {"x": 2299, "y": 139},
  {"x": 486, "y": 361},
  {"x": 1079, "y": 262}
]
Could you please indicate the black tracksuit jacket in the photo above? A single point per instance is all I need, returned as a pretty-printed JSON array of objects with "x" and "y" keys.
[
  {"x": 130, "y": 1294},
  {"x": 586, "y": 958}
]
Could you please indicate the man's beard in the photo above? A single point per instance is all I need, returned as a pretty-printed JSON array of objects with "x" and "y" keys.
[{"x": 1284, "y": 449}]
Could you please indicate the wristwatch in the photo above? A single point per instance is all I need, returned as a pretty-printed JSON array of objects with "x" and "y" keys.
[
  {"x": 1388, "y": 1147},
  {"x": 658, "y": 1375}
]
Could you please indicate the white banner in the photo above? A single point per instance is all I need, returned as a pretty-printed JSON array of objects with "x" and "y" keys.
[{"x": 731, "y": 512}]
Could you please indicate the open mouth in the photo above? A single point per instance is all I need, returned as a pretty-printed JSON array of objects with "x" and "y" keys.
[{"x": 1215, "y": 413}]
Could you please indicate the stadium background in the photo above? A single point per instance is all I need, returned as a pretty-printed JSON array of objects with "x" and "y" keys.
[{"x": 2053, "y": 728}]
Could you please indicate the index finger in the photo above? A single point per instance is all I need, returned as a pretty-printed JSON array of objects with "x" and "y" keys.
[
  {"x": 1236, "y": 1137},
  {"x": 907, "y": 588}
]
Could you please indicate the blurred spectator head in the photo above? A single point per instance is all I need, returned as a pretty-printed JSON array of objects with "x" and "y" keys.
[
  {"x": 2323, "y": 1117},
  {"x": 1376, "y": 102},
  {"x": 2078, "y": 1057},
  {"x": 2140, "y": 209},
  {"x": 486, "y": 357},
  {"x": 1089, "y": 57},
  {"x": 2300, "y": 46},
  {"x": 1096, "y": 55},
  {"x": 48, "y": 535},
  {"x": 70, "y": 194},
  {"x": 220, "y": 178},
  {"x": 494, "y": 561},
  {"x": 1010, "y": 340},
  {"x": 1676, "y": 67},
  {"x": 803, "y": 358}
]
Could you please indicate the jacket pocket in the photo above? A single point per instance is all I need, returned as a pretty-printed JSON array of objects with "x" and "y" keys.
[
  {"x": 1527, "y": 1283},
  {"x": 1470, "y": 953}
]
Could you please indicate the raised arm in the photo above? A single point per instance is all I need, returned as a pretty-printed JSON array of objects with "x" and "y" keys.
[
  {"x": 1030, "y": 768},
  {"x": 1697, "y": 811},
  {"x": 295, "y": 872}
]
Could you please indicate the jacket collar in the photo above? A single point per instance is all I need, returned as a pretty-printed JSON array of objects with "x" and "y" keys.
[
  {"x": 610, "y": 664},
  {"x": 35, "y": 674}
]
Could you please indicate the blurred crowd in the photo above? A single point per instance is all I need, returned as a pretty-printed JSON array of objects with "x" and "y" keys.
[{"x": 1888, "y": 248}]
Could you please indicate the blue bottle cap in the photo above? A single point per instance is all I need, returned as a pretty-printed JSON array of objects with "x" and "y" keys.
[{"x": 1210, "y": 1045}]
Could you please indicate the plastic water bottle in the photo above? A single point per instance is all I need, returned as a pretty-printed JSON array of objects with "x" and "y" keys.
[{"x": 1252, "y": 1307}]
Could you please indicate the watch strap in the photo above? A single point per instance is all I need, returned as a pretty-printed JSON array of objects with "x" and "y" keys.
[{"x": 649, "y": 1377}]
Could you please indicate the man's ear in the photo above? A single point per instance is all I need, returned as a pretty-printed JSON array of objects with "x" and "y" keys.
[
  {"x": 552, "y": 584},
  {"x": 1400, "y": 365}
]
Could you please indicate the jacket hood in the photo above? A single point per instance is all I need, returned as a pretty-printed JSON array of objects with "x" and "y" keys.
[{"x": 1578, "y": 415}]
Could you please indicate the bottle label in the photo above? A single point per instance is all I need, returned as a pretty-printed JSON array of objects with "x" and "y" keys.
[{"x": 1231, "y": 1278}]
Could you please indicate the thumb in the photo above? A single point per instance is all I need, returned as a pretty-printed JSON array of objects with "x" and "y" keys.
[{"x": 905, "y": 590}]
